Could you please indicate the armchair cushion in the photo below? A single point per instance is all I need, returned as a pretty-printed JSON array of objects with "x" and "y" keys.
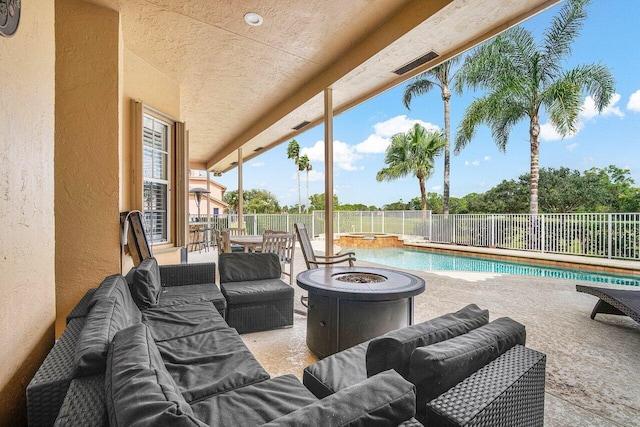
[
  {"x": 436, "y": 368},
  {"x": 384, "y": 399},
  {"x": 393, "y": 350},
  {"x": 146, "y": 284},
  {"x": 244, "y": 267},
  {"x": 256, "y": 291},
  {"x": 139, "y": 390}
]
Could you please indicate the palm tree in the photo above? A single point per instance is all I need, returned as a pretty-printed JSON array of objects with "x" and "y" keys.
[
  {"x": 442, "y": 77},
  {"x": 521, "y": 78},
  {"x": 293, "y": 152},
  {"x": 412, "y": 153},
  {"x": 305, "y": 165}
]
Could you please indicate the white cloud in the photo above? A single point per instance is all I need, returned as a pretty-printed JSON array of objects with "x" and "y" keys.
[
  {"x": 634, "y": 102},
  {"x": 436, "y": 187},
  {"x": 487, "y": 158},
  {"x": 344, "y": 155},
  {"x": 373, "y": 144},
  {"x": 572, "y": 146},
  {"x": 473, "y": 163},
  {"x": 378, "y": 141},
  {"x": 257, "y": 164},
  {"x": 587, "y": 112},
  {"x": 549, "y": 133}
]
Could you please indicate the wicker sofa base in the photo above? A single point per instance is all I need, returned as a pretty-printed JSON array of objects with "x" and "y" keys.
[
  {"x": 260, "y": 316},
  {"x": 507, "y": 392}
]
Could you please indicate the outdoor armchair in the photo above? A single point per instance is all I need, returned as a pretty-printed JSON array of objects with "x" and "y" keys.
[{"x": 314, "y": 261}]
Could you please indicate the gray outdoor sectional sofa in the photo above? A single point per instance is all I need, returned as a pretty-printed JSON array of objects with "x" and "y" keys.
[
  {"x": 158, "y": 352},
  {"x": 466, "y": 370}
]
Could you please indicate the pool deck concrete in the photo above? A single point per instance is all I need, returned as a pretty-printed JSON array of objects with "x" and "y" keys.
[{"x": 593, "y": 366}]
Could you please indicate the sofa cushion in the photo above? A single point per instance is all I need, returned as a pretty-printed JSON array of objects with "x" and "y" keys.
[
  {"x": 107, "y": 317},
  {"x": 244, "y": 267},
  {"x": 209, "y": 363},
  {"x": 340, "y": 370},
  {"x": 181, "y": 320},
  {"x": 146, "y": 283},
  {"x": 139, "y": 391},
  {"x": 115, "y": 286},
  {"x": 384, "y": 399},
  {"x": 256, "y": 404},
  {"x": 185, "y": 294},
  {"x": 436, "y": 368},
  {"x": 256, "y": 291},
  {"x": 393, "y": 350}
]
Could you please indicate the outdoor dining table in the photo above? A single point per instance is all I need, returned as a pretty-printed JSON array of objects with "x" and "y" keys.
[{"x": 248, "y": 241}]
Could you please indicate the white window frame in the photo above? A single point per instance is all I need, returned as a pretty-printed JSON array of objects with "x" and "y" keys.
[{"x": 167, "y": 181}]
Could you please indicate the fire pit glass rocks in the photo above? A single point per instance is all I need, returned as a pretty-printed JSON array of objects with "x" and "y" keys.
[
  {"x": 360, "y": 277},
  {"x": 350, "y": 305}
]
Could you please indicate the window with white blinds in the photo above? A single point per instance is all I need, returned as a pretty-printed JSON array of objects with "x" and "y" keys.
[{"x": 156, "y": 160}]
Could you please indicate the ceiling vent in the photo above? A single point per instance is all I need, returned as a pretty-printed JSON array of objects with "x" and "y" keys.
[
  {"x": 416, "y": 63},
  {"x": 301, "y": 125},
  {"x": 259, "y": 149},
  {"x": 234, "y": 163}
]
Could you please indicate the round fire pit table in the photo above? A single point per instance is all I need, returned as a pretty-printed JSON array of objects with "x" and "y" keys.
[{"x": 350, "y": 305}]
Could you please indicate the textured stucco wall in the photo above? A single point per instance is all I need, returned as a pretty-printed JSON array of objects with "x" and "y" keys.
[
  {"x": 87, "y": 150},
  {"x": 27, "y": 282}
]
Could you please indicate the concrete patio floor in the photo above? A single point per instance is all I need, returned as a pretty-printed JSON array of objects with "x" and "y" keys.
[{"x": 593, "y": 366}]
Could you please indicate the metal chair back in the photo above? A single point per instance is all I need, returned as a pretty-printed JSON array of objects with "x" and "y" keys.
[{"x": 305, "y": 245}]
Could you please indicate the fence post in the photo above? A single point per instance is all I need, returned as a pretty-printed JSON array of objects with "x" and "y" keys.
[
  {"x": 383, "y": 221},
  {"x": 402, "y": 223},
  {"x": 542, "y": 233},
  {"x": 493, "y": 230},
  {"x": 609, "y": 236},
  {"x": 287, "y": 219},
  {"x": 338, "y": 222},
  {"x": 313, "y": 224},
  {"x": 430, "y": 226},
  {"x": 453, "y": 231}
]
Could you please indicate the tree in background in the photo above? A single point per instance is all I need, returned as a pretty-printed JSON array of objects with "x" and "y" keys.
[
  {"x": 293, "y": 152},
  {"x": 305, "y": 165},
  {"x": 412, "y": 153},
  {"x": 442, "y": 77},
  {"x": 317, "y": 202},
  {"x": 255, "y": 201},
  {"x": 521, "y": 78}
]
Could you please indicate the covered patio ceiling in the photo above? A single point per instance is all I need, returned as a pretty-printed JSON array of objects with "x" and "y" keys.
[{"x": 250, "y": 87}]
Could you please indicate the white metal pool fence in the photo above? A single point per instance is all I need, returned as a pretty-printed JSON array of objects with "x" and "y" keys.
[{"x": 605, "y": 235}]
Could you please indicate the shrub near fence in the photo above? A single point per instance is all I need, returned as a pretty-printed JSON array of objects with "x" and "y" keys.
[{"x": 606, "y": 235}]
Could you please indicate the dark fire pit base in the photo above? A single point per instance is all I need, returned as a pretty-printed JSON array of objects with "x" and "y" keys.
[
  {"x": 336, "y": 324},
  {"x": 346, "y": 313}
]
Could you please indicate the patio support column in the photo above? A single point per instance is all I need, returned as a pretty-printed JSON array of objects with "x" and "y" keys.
[
  {"x": 328, "y": 171},
  {"x": 240, "y": 187}
]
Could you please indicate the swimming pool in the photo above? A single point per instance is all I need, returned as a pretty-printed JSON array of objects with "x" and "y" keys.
[{"x": 429, "y": 261}]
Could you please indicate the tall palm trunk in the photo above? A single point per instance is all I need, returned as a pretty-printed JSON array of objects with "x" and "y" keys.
[
  {"x": 306, "y": 201},
  {"x": 534, "y": 133},
  {"x": 446, "y": 96},
  {"x": 299, "y": 199}
]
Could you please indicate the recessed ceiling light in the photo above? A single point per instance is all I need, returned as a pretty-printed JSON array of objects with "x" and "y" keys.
[{"x": 253, "y": 19}]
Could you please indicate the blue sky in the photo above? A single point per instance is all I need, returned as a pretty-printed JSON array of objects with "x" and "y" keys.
[{"x": 610, "y": 35}]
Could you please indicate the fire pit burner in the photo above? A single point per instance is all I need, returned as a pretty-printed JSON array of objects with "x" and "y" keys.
[{"x": 360, "y": 277}]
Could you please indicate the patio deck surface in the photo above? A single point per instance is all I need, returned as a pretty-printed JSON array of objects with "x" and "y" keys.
[{"x": 593, "y": 366}]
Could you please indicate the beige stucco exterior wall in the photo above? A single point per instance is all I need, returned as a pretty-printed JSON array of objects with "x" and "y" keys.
[
  {"x": 27, "y": 275},
  {"x": 87, "y": 150},
  {"x": 144, "y": 83}
]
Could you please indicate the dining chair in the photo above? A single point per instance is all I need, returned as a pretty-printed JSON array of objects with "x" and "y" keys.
[{"x": 282, "y": 245}]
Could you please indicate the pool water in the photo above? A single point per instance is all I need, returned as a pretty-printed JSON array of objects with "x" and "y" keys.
[{"x": 429, "y": 261}]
